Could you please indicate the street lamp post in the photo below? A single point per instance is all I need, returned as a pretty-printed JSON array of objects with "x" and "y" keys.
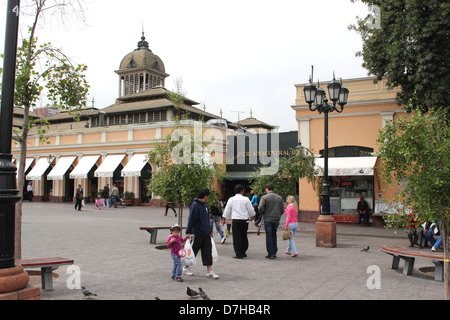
[
  {"x": 8, "y": 186},
  {"x": 326, "y": 226}
]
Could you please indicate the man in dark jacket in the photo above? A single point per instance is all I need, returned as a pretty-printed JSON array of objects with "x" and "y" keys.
[{"x": 199, "y": 224}]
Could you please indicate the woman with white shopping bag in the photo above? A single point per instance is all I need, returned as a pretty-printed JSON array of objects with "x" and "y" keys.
[{"x": 199, "y": 224}]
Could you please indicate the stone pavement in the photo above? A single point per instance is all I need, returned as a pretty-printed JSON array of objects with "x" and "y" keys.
[{"x": 118, "y": 263}]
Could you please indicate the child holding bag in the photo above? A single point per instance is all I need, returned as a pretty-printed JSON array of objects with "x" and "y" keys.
[{"x": 174, "y": 242}]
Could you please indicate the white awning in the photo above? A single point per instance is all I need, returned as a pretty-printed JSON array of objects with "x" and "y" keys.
[
  {"x": 135, "y": 165},
  {"x": 39, "y": 169},
  {"x": 61, "y": 168},
  {"x": 83, "y": 167},
  {"x": 347, "y": 166},
  {"x": 108, "y": 165},
  {"x": 28, "y": 162}
]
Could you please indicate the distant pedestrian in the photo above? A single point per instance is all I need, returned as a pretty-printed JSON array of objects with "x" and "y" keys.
[
  {"x": 30, "y": 191},
  {"x": 170, "y": 205},
  {"x": 174, "y": 242},
  {"x": 199, "y": 225},
  {"x": 115, "y": 195},
  {"x": 240, "y": 210},
  {"x": 216, "y": 219},
  {"x": 363, "y": 211},
  {"x": 255, "y": 202},
  {"x": 271, "y": 208},
  {"x": 291, "y": 224},
  {"x": 105, "y": 196},
  {"x": 78, "y": 197}
]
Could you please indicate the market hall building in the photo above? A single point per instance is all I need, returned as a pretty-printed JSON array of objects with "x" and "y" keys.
[{"x": 110, "y": 145}]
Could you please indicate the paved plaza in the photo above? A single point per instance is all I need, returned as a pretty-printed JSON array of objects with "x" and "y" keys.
[{"x": 117, "y": 262}]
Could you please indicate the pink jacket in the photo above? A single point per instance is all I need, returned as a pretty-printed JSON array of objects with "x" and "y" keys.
[
  {"x": 175, "y": 246},
  {"x": 291, "y": 214}
]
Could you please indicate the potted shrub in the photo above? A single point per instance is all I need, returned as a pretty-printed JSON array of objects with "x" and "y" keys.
[{"x": 128, "y": 198}]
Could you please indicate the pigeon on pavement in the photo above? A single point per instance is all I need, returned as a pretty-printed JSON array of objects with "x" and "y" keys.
[
  {"x": 87, "y": 293},
  {"x": 203, "y": 294},
  {"x": 365, "y": 249},
  {"x": 192, "y": 293}
]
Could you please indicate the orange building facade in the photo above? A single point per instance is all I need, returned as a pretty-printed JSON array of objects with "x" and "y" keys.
[{"x": 352, "y": 146}]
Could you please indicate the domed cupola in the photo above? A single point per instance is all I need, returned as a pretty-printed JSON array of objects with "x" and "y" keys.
[{"x": 140, "y": 70}]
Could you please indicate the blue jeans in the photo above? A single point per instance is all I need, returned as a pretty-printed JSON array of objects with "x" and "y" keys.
[
  {"x": 292, "y": 249},
  {"x": 216, "y": 221},
  {"x": 271, "y": 237},
  {"x": 177, "y": 265},
  {"x": 114, "y": 201},
  {"x": 430, "y": 237},
  {"x": 438, "y": 243}
]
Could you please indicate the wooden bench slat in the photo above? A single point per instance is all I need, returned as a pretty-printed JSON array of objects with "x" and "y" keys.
[
  {"x": 412, "y": 252},
  {"x": 154, "y": 232},
  {"x": 43, "y": 261}
]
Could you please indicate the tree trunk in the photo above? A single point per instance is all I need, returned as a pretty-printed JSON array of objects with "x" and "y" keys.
[{"x": 180, "y": 217}]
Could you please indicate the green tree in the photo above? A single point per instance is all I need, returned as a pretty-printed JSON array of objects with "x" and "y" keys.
[
  {"x": 44, "y": 69},
  {"x": 290, "y": 169},
  {"x": 409, "y": 45},
  {"x": 415, "y": 150},
  {"x": 180, "y": 170}
]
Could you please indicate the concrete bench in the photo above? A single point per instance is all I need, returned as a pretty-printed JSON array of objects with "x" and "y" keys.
[
  {"x": 47, "y": 265},
  {"x": 154, "y": 232},
  {"x": 410, "y": 254}
]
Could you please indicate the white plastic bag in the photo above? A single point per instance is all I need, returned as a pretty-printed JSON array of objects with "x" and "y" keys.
[
  {"x": 215, "y": 255},
  {"x": 189, "y": 258}
]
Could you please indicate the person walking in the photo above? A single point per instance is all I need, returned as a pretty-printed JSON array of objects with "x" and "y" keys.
[
  {"x": 254, "y": 202},
  {"x": 271, "y": 208},
  {"x": 240, "y": 210},
  {"x": 291, "y": 224},
  {"x": 78, "y": 198},
  {"x": 199, "y": 225},
  {"x": 105, "y": 196},
  {"x": 30, "y": 191},
  {"x": 115, "y": 195},
  {"x": 216, "y": 217},
  {"x": 170, "y": 205},
  {"x": 174, "y": 242}
]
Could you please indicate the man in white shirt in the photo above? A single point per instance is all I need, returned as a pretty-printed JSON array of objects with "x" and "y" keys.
[{"x": 240, "y": 210}]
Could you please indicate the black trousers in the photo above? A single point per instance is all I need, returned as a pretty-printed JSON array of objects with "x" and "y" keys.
[
  {"x": 203, "y": 243},
  {"x": 240, "y": 239}
]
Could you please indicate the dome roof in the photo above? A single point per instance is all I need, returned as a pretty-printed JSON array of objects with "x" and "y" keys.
[{"x": 142, "y": 57}]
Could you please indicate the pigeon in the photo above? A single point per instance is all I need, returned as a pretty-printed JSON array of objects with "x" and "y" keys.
[
  {"x": 87, "y": 293},
  {"x": 157, "y": 298},
  {"x": 203, "y": 294},
  {"x": 192, "y": 293},
  {"x": 365, "y": 249}
]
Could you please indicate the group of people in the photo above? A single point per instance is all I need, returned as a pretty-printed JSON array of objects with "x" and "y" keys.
[
  {"x": 109, "y": 197},
  {"x": 240, "y": 210},
  {"x": 424, "y": 233}
]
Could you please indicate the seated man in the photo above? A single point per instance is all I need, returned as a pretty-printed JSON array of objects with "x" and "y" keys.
[{"x": 363, "y": 211}]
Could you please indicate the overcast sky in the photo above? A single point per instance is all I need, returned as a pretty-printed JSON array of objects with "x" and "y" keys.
[{"x": 231, "y": 55}]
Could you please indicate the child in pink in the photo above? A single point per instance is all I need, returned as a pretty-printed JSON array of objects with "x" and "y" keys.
[
  {"x": 174, "y": 242},
  {"x": 291, "y": 224}
]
